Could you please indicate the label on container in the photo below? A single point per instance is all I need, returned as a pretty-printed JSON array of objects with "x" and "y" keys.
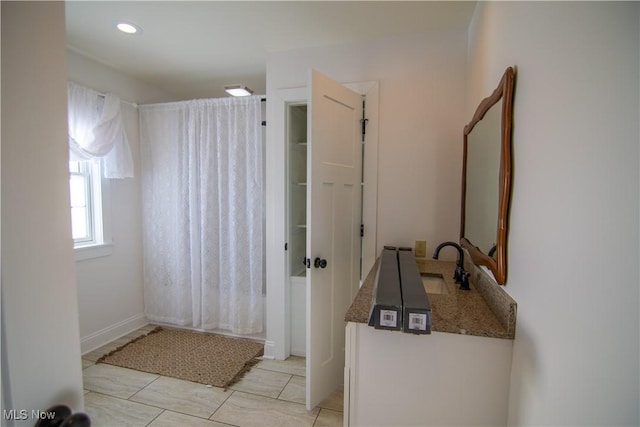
[
  {"x": 388, "y": 318},
  {"x": 418, "y": 321}
]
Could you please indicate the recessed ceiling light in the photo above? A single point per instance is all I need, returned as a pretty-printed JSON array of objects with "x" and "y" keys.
[
  {"x": 238, "y": 90},
  {"x": 128, "y": 28}
]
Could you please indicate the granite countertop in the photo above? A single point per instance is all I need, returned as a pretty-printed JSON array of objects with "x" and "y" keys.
[{"x": 486, "y": 310}]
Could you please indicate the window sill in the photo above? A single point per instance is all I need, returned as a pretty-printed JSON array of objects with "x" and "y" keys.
[{"x": 93, "y": 251}]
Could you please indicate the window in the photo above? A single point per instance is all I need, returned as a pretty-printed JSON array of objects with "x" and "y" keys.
[
  {"x": 82, "y": 220},
  {"x": 87, "y": 198}
]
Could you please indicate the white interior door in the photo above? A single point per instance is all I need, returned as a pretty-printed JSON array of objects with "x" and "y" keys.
[{"x": 334, "y": 164}]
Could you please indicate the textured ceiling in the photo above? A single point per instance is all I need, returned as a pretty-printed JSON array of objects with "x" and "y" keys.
[{"x": 193, "y": 49}]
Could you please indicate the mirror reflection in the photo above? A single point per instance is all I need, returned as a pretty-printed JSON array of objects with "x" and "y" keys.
[
  {"x": 483, "y": 171},
  {"x": 486, "y": 179}
]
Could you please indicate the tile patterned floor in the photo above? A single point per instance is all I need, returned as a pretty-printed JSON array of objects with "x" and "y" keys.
[{"x": 271, "y": 394}]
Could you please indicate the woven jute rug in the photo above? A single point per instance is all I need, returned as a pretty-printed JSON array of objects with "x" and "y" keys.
[{"x": 194, "y": 356}]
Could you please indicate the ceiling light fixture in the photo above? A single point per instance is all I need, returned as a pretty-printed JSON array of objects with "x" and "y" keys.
[
  {"x": 238, "y": 90},
  {"x": 128, "y": 28}
]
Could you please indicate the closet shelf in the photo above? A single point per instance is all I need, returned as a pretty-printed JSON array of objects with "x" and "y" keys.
[{"x": 300, "y": 272}]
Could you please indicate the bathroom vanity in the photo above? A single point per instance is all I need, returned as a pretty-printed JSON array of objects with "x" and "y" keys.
[{"x": 457, "y": 375}]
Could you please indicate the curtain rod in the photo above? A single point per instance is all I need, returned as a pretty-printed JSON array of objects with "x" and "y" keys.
[
  {"x": 263, "y": 98},
  {"x": 133, "y": 104}
]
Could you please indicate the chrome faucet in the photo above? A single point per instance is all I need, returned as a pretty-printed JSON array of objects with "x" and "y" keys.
[{"x": 460, "y": 275}]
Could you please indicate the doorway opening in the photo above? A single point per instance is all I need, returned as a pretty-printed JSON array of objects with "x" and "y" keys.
[{"x": 283, "y": 313}]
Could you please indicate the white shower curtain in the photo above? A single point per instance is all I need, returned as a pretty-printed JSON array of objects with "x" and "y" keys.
[{"x": 203, "y": 203}]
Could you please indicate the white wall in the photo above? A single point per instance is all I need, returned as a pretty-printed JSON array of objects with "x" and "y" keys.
[
  {"x": 421, "y": 80},
  {"x": 573, "y": 241},
  {"x": 110, "y": 289},
  {"x": 40, "y": 343}
]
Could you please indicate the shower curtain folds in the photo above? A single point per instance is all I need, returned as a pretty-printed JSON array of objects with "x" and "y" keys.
[{"x": 203, "y": 202}]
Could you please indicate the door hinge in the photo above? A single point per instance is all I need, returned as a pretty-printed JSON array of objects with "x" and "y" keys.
[
  {"x": 286, "y": 246},
  {"x": 361, "y": 230},
  {"x": 363, "y": 122}
]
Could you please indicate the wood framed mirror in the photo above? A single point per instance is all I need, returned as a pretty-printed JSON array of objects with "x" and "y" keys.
[{"x": 486, "y": 179}]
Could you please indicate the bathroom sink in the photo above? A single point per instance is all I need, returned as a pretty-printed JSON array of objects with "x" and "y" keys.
[{"x": 434, "y": 283}]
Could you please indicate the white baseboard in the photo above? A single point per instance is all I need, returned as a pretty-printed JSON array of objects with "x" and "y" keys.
[
  {"x": 269, "y": 350},
  {"x": 300, "y": 352},
  {"x": 110, "y": 333}
]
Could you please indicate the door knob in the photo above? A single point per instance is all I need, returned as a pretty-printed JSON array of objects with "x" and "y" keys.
[{"x": 319, "y": 263}]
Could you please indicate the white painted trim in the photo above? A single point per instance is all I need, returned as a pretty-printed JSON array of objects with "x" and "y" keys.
[
  {"x": 110, "y": 333},
  {"x": 371, "y": 91},
  {"x": 104, "y": 245},
  {"x": 278, "y": 342},
  {"x": 93, "y": 251},
  {"x": 297, "y": 340},
  {"x": 269, "y": 350},
  {"x": 350, "y": 358}
]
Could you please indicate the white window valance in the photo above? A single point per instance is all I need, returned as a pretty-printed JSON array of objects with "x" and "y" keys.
[{"x": 96, "y": 131}]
